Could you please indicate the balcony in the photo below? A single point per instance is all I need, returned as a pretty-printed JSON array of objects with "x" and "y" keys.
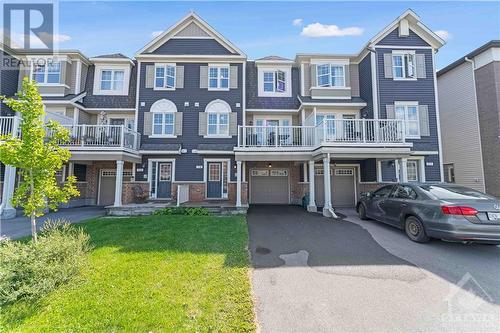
[
  {"x": 9, "y": 125},
  {"x": 331, "y": 132},
  {"x": 107, "y": 137}
]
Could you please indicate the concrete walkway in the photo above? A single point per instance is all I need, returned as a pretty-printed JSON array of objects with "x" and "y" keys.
[
  {"x": 313, "y": 274},
  {"x": 20, "y": 226}
]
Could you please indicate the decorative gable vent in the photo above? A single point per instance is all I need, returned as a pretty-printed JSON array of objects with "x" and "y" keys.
[
  {"x": 192, "y": 30},
  {"x": 404, "y": 28}
]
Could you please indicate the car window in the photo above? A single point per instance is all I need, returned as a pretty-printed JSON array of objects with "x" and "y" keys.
[
  {"x": 404, "y": 192},
  {"x": 453, "y": 192},
  {"x": 382, "y": 192}
]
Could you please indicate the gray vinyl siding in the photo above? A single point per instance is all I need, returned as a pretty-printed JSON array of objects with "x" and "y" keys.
[
  {"x": 253, "y": 101},
  {"x": 393, "y": 39},
  {"x": 186, "y": 163},
  {"x": 459, "y": 126},
  {"x": 192, "y": 46},
  {"x": 110, "y": 101},
  {"x": 9, "y": 76},
  {"x": 354, "y": 79},
  {"x": 365, "y": 85},
  {"x": 488, "y": 95}
]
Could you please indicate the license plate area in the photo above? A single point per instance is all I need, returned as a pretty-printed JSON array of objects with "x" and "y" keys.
[{"x": 493, "y": 216}]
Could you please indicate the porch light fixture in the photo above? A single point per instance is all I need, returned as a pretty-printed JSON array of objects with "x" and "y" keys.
[{"x": 269, "y": 165}]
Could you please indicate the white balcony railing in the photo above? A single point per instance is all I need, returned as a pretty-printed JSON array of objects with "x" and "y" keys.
[
  {"x": 9, "y": 125},
  {"x": 331, "y": 131},
  {"x": 90, "y": 136}
]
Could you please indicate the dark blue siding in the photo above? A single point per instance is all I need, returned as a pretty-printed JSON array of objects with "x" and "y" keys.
[
  {"x": 9, "y": 76},
  {"x": 389, "y": 171},
  {"x": 365, "y": 85},
  {"x": 393, "y": 39},
  {"x": 253, "y": 101},
  {"x": 192, "y": 47},
  {"x": 186, "y": 163},
  {"x": 421, "y": 90},
  {"x": 368, "y": 170}
]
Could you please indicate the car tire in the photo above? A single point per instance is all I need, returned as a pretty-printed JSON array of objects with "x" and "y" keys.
[
  {"x": 362, "y": 212},
  {"x": 415, "y": 230}
]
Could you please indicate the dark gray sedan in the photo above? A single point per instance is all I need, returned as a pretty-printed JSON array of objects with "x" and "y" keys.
[{"x": 426, "y": 210}]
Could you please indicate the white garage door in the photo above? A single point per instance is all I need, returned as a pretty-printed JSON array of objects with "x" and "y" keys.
[{"x": 269, "y": 186}]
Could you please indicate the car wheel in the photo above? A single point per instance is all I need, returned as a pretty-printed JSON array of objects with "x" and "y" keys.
[
  {"x": 362, "y": 212},
  {"x": 415, "y": 230}
]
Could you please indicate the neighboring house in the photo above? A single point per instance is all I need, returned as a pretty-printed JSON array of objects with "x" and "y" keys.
[
  {"x": 469, "y": 100},
  {"x": 216, "y": 127}
]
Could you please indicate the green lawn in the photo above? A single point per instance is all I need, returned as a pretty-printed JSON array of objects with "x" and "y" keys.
[{"x": 151, "y": 274}]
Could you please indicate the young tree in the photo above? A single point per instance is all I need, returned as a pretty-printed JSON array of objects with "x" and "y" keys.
[{"x": 37, "y": 155}]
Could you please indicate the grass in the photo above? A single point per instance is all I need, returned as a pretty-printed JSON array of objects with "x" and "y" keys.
[{"x": 150, "y": 274}]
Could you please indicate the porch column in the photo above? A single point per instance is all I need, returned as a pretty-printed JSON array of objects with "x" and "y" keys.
[
  {"x": 238, "y": 183},
  {"x": 312, "y": 199},
  {"x": 403, "y": 171},
  {"x": 328, "y": 191},
  {"x": 304, "y": 171},
  {"x": 9, "y": 180},
  {"x": 119, "y": 183}
]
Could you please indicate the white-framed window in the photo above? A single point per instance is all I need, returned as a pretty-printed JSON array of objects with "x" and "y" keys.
[
  {"x": 330, "y": 75},
  {"x": 47, "y": 72},
  {"x": 165, "y": 76},
  {"x": 218, "y": 112},
  {"x": 163, "y": 123},
  {"x": 408, "y": 112},
  {"x": 218, "y": 77},
  {"x": 403, "y": 65},
  {"x": 412, "y": 170},
  {"x": 274, "y": 81},
  {"x": 112, "y": 79}
]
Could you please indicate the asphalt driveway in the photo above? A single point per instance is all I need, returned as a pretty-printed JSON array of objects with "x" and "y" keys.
[
  {"x": 20, "y": 226},
  {"x": 317, "y": 274}
]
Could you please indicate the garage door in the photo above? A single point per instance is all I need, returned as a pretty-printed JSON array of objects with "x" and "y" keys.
[
  {"x": 344, "y": 188},
  {"x": 107, "y": 181},
  {"x": 269, "y": 186},
  {"x": 342, "y": 185}
]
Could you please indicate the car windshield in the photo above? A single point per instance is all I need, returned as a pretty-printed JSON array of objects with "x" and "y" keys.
[{"x": 453, "y": 192}]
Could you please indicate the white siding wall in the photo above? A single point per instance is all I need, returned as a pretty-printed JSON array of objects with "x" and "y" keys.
[{"x": 459, "y": 126}]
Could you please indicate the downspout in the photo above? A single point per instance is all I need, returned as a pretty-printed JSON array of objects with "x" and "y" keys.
[
  {"x": 374, "y": 75},
  {"x": 473, "y": 65}
]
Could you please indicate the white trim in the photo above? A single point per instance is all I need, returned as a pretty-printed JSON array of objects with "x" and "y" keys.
[
  {"x": 273, "y": 110},
  {"x": 112, "y": 60},
  {"x": 334, "y": 104},
  {"x": 287, "y": 70},
  {"x": 160, "y": 152},
  {"x": 243, "y": 94},
  {"x": 425, "y": 152},
  {"x": 99, "y": 68},
  {"x": 402, "y": 54},
  {"x": 218, "y": 77},
  {"x": 212, "y": 152},
  {"x": 193, "y": 58},
  {"x": 78, "y": 75},
  {"x": 438, "y": 122},
  {"x": 375, "y": 91},
  {"x": 137, "y": 95},
  {"x": 407, "y": 104},
  {"x": 164, "y": 65},
  {"x": 403, "y": 47}
]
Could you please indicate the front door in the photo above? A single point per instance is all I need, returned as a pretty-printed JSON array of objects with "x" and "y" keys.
[
  {"x": 164, "y": 180},
  {"x": 214, "y": 180}
]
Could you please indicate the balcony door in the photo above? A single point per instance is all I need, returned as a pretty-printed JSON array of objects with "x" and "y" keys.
[{"x": 273, "y": 131}]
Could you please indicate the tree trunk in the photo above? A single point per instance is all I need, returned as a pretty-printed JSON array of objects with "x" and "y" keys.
[{"x": 33, "y": 227}]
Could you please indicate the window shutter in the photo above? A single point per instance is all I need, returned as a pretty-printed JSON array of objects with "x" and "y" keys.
[
  {"x": 423, "y": 114},
  {"x": 420, "y": 66},
  {"x": 390, "y": 113},
  {"x": 388, "y": 66},
  {"x": 178, "y": 123},
  {"x": 150, "y": 76},
  {"x": 179, "y": 77},
  {"x": 233, "y": 123},
  {"x": 203, "y": 77},
  {"x": 233, "y": 77},
  {"x": 202, "y": 124},
  {"x": 314, "y": 80},
  {"x": 148, "y": 123}
]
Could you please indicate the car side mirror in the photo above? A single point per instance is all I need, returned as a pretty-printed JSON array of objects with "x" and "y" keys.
[{"x": 367, "y": 194}]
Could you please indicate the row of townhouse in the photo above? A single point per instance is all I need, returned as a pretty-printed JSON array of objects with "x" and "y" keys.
[{"x": 190, "y": 118}]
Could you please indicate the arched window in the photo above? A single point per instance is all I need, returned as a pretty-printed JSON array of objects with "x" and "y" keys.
[
  {"x": 218, "y": 118},
  {"x": 163, "y": 118}
]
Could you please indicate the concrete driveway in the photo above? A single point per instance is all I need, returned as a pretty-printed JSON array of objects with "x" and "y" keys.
[
  {"x": 20, "y": 226},
  {"x": 313, "y": 274}
]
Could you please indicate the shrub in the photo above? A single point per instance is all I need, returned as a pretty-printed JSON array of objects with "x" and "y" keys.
[
  {"x": 30, "y": 270},
  {"x": 190, "y": 211}
]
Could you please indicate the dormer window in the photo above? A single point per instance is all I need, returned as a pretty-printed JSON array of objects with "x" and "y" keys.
[
  {"x": 165, "y": 76},
  {"x": 330, "y": 75},
  {"x": 218, "y": 77},
  {"x": 112, "y": 80},
  {"x": 274, "y": 81},
  {"x": 403, "y": 65},
  {"x": 48, "y": 72}
]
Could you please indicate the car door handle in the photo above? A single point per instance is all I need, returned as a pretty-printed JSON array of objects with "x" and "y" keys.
[{"x": 404, "y": 205}]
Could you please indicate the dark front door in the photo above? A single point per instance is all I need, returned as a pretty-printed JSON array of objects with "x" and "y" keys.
[
  {"x": 164, "y": 187},
  {"x": 214, "y": 180}
]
